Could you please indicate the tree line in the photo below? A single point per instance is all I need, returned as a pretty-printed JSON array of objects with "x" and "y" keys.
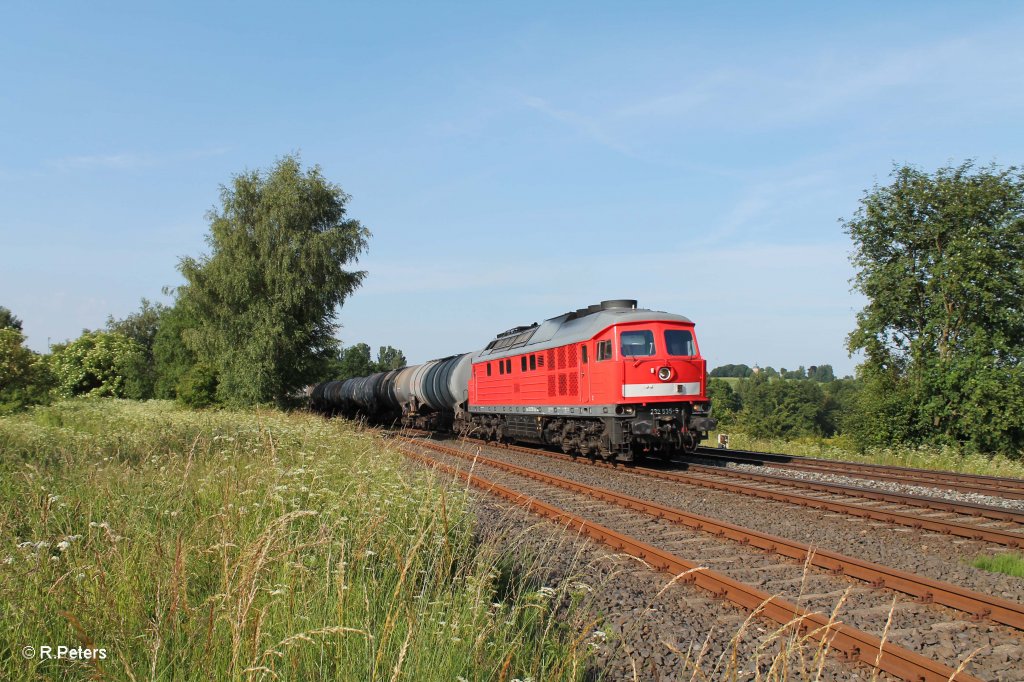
[
  {"x": 254, "y": 322},
  {"x": 820, "y": 373},
  {"x": 939, "y": 257}
]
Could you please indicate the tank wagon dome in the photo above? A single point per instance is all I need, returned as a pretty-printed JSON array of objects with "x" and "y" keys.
[{"x": 573, "y": 327}]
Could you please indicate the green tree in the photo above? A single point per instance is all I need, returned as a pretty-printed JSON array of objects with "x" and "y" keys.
[
  {"x": 739, "y": 371},
  {"x": 96, "y": 364},
  {"x": 940, "y": 258},
  {"x": 141, "y": 327},
  {"x": 725, "y": 402},
  {"x": 821, "y": 373},
  {"x": 774, "y": 408},
  {"x": 25, "y": 377},
  {"x": 172, "y": 358},
  {"x": 355, "y": 362},
  {"x": 266, "y": 296},
  {"x": 8, "y": 320},
  {"x": 389, "y": 358}
]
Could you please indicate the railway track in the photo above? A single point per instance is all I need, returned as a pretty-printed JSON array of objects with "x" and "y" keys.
[
  {"x": 997, "y": 526},
  {"x": 994, "y": 486},
  {"x": 664, "y": 537}
]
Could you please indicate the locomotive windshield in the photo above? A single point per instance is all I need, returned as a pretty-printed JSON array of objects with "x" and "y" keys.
[
  {"x": 679, "y": 342},
  {"x": 637, "y": 343}
]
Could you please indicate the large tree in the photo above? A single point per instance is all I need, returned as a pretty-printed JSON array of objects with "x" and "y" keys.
[
  {"x": 8, "y": 320},
  {"x": 266, "y": 295},
  {"x": 940, "y": 258},
  {"x": 141, "y": 327}
]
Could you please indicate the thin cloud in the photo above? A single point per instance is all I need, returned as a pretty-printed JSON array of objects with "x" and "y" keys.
[{"x": 128, "y": 161}]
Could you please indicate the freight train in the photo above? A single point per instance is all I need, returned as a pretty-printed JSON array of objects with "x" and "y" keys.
[{"x": 610, "y": 381}]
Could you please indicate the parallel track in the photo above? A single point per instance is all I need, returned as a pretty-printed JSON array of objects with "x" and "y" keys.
[
  {"x": 984, "y": 511},
  {"x": 996, "y": 486},
  {"x": 854, "y": 644},
  {"x": 902, "y": 518},
  {"x": 971, "y": 603}
]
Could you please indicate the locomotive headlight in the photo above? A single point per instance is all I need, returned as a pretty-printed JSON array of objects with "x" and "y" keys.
[{"x": 665, "y": 373}]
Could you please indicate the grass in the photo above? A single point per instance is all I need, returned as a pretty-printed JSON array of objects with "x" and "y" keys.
[
  {"x": 840, "y": 448},
  {"x": 248, "y": 545},
  {"x": 1011, "y": 563},
  {"x": 257, "y": 545}
]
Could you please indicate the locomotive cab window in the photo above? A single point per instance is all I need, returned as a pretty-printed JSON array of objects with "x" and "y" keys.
[
  {"x": 523, "y": 362},
  {"x": 488, "y": 369},
  {"x": 637, "y": 343},
  {"x": 679, "y": 342},
  {"x": 501, "y": 366},
  {"x": 604, "y": 350},
  {"x": 508, "y": 366},
  {"x": 583, "y": 354}
]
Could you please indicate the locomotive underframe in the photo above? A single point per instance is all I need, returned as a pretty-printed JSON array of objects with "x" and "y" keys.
[
  {"x": 620, "y": 432},
  {"x": 630, "y": 431}
]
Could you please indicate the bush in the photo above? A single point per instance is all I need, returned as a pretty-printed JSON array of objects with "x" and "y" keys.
[
  {"x": 25, "y": 377},
  {"x": 198, "y": 387},
  {"x": 99, "y": 364}
]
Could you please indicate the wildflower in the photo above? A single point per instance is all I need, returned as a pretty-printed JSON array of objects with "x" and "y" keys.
[{"x": 9, "y": 560}]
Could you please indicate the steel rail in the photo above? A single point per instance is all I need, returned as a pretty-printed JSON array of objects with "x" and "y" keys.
[
  {"x": 995, "y": 536},
  {"x": 925, "y": 590},
  {"x": 966, "y": 508},
  {"x": 993, "y": 486},
  {"x": 855, "y": 644}
]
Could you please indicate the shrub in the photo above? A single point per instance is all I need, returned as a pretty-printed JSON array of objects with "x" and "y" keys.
[
  {"x": 198, "y": 387},
  {"x": 25, "y": 377},
  {"x": 98, "y": 364}
]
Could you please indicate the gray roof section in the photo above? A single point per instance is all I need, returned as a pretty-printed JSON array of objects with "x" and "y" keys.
[{"x": 559, "y": 331}]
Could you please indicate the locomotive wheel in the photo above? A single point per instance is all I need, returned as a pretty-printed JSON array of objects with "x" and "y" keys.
[{"x": 689, "y": 443}]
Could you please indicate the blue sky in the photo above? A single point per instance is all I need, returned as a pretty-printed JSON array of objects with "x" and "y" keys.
[{"x": 512, "y": 161}]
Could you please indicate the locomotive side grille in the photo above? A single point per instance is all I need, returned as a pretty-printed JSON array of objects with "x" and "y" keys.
[
  {"x": 572, "y": 356},
  {"x": 551, "y": 385},
  {"x": 562, "y": 384},
  {"x": 540, "y": 359},
  {"x": 574, "y": 384},
  {"x": 551, "y": 358},
  {"x": 561, "y": 357}
]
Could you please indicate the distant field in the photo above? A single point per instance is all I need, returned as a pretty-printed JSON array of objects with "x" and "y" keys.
[{"x": 247, "y": 545}]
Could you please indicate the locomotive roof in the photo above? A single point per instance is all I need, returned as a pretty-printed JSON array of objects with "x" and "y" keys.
[{"x": 569, "y": 328}]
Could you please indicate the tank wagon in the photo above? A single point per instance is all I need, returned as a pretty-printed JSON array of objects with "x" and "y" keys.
[{"x": 609, "y": 380}]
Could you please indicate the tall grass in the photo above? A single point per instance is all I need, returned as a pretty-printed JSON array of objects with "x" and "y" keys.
[
  {"x": 841, "y": 448},
  {"x": 245, "y": 545}
]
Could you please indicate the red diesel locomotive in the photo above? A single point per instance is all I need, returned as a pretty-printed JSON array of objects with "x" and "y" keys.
[{"x": 609, "y": 380}]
